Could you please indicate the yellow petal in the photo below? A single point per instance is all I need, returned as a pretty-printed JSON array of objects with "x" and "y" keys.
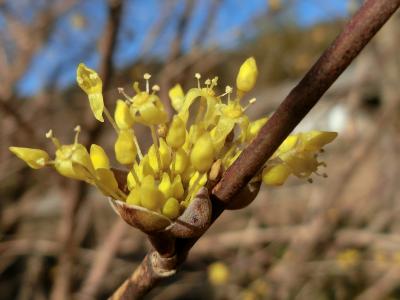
[
  {"x": 315, "y": 140},
  {"x": 99, "y": 157},
  {"x": 288, "y": 144},
  {"x": 90, "y": 82},
  {"x": 177, "y": 97},
  {"x": 275, "y": 175},
  {"x": 122, "y": 115},
  {"x": 35, "y": 158},
  {"x": 107, "y": 182}
]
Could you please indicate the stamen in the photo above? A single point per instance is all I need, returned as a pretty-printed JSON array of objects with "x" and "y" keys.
[
  {"x": 77, "y": 129},
  {"x": 214, "y": 82},
  {"x": 122, "y": 92},
  {"x": 139, "y": 151},
  {"x": 155, "y": 88},
  {"x": 135, "y": 176},
  {"x": 110, "y": 119},
  {"x": 251, "y": 101},
  {"x": 198, "y": 76},
  {"x": 228, "y": 91},
  {"x": 146, "y": 77},
  {"x": 136, "y": 87},
  {"x": 54, "y": 140}
]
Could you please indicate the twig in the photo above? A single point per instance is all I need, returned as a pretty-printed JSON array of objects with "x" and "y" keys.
[
  {"x": 103, "y": 259},
  {"x": 356, "y": 34}
]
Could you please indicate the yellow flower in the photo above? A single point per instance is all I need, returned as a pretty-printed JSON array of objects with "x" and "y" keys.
[
  {"x": 297, "y": 155},
  {"x": 90, "y": 82},
  {"x": 218, "y": 273},
  {"x": 161, "y": 182}
]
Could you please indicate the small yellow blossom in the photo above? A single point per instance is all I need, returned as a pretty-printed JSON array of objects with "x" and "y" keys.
[
  {"x": 348, "y": 258},
  {"x": 218, "y": 273}
]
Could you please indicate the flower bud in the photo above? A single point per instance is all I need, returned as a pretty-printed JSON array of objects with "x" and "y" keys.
[
  {"x": 171, "y": 208},
  {"x": 176, "y": 136},
  {"x": 122, "y": 115},
  {"x": 125, "y": 148},
  {"x": 247, "y": 76},
  {"x": 150, "y": 197},
  {"x": 165, "y": 186},
  {"x": 177, "y": 187},
  {"x": 202, "y": 155},
  {"x": 35, "y": 158},
  {"x": 99, "y": 157},
  {"x": 181, "y": 161},
  {"x": 134, "y": 197}
]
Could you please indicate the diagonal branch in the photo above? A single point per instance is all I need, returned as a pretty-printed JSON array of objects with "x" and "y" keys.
[{"x": 356, "y": 34}]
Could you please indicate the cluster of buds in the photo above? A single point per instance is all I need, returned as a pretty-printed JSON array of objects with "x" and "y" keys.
[{"x": 188, "y": 154}]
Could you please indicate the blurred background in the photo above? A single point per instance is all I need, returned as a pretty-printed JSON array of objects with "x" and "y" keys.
[{"x": 337, "y": 238}]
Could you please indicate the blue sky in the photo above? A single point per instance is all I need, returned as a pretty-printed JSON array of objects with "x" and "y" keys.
[{"x": 69, "y": 44}]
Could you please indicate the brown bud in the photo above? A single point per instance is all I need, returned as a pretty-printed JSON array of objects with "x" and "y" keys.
[
  {"x": 246, "y": 195},
  {"x": 144, "y": 219},
  {"x": 195, "y": 219}
]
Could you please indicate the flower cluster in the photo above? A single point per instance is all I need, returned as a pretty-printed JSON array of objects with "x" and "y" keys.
[{"x": 205, "y": 135}]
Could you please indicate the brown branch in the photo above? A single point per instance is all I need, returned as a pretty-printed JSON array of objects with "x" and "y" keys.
[
  {"x": 104, "y": 255},
  {"x": 356, "y": 34}
]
